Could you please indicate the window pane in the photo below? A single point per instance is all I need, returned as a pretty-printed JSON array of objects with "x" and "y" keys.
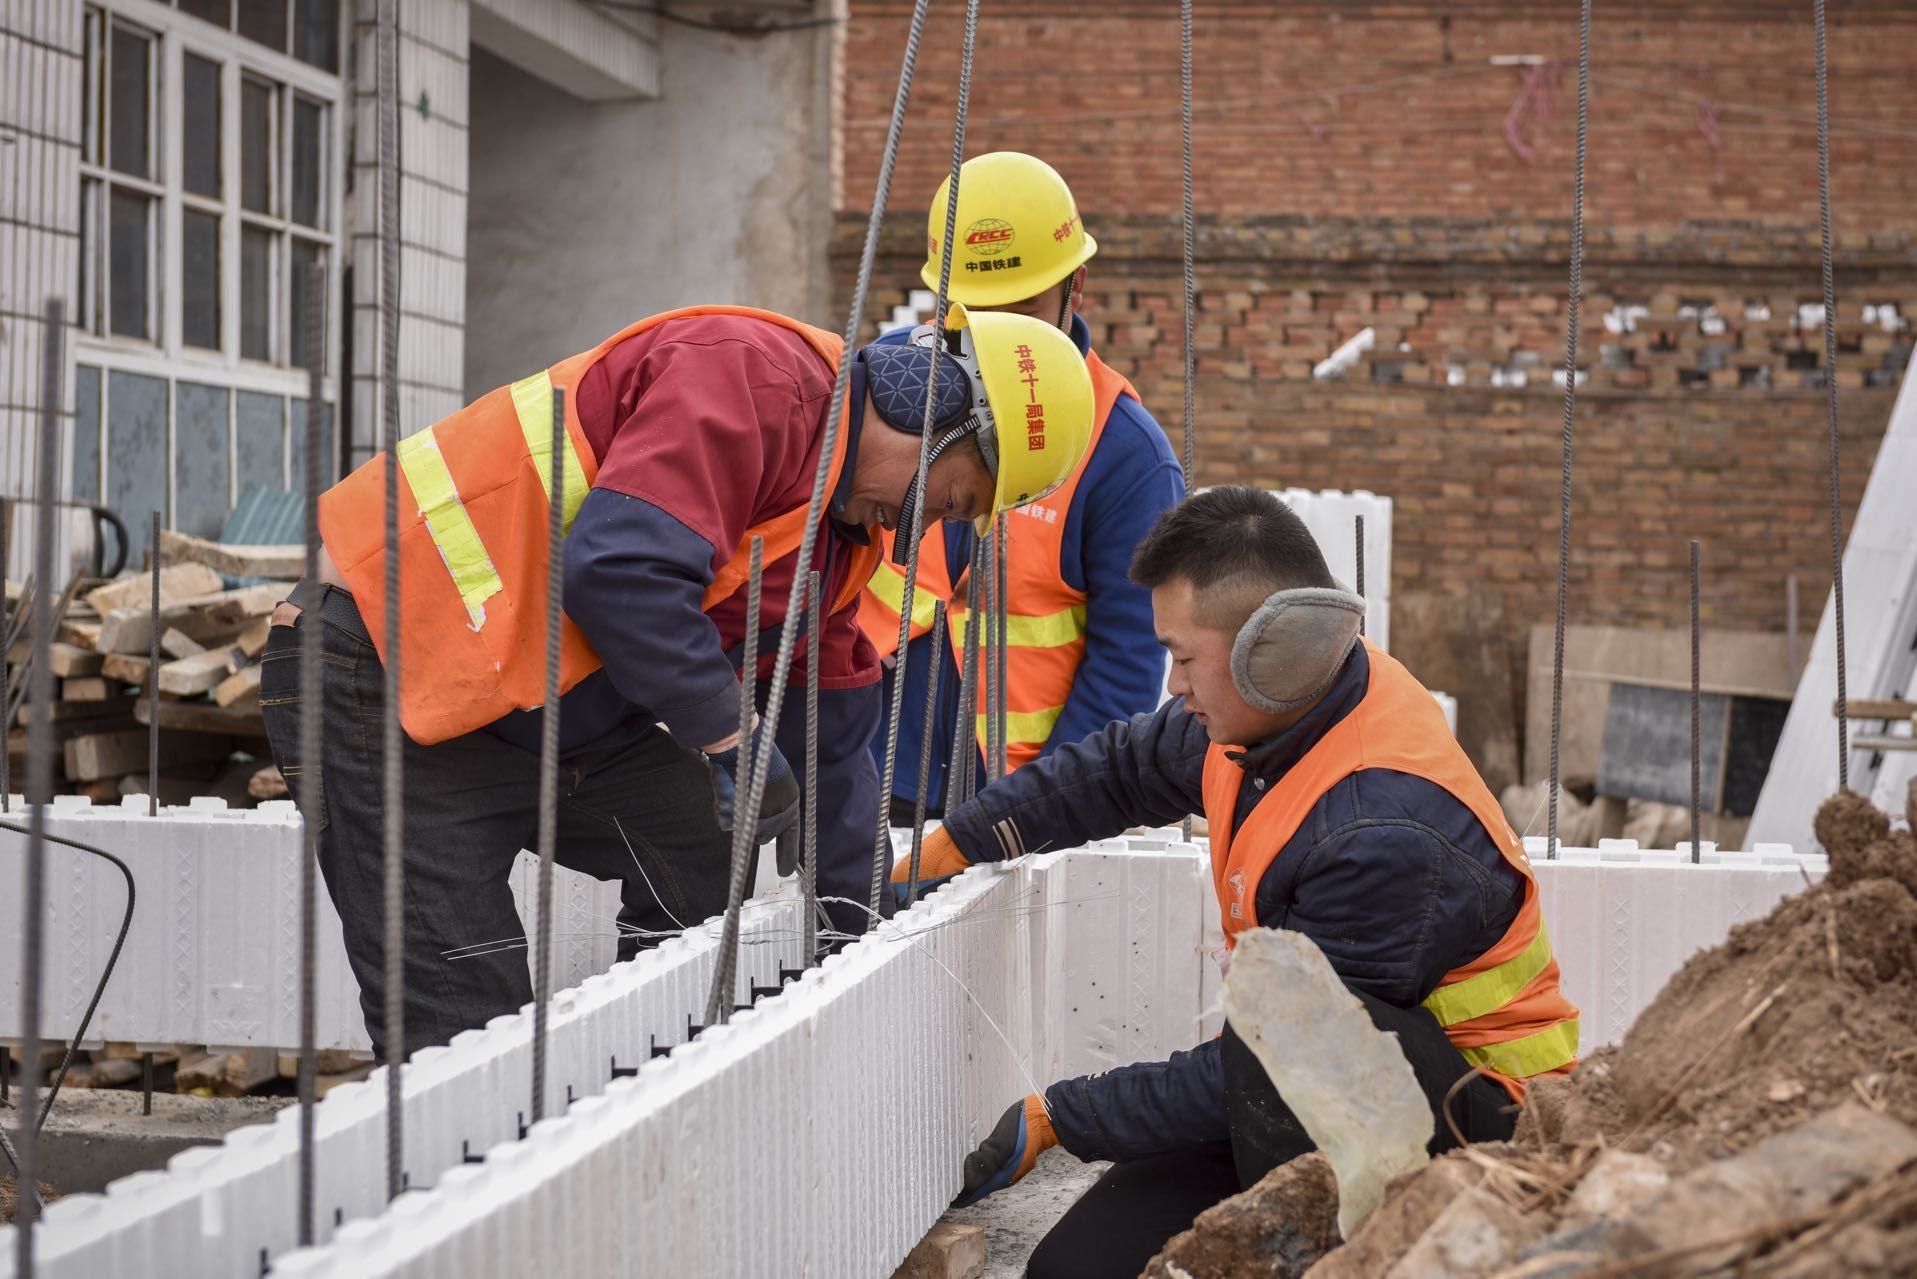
[
  {"x": 256, "y": 293},
  {"x": 306, "y": 255},
  {"x": 309, "y": 146},
  {"x": 316, "y": 33},
  {"x": 256, "y": 145},
  {"x": 200, "y": 127},
  {"x": 265, "y": 21},
  {"x": 200, "y": 279},
  {"x": 127, "y": 275},
  {"x": 218, "y": 12},
  {"x": 127, "y": 101}
]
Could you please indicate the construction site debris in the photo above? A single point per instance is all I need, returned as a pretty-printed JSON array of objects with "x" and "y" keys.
[
  {"x": 1761, "y": 1113},
  {"x": 9, "y": 1193},
  {"x": 1279, "y": 1227}
]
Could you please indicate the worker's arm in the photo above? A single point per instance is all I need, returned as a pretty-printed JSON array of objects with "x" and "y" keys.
[
  {"x": 1131, "y": 480},
  {"x": 1145, "y": 771}
]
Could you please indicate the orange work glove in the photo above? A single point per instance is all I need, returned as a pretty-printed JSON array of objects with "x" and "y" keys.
[
  {"x": 939, "y": 858},
  {"x": 1024, "y": 1132}
]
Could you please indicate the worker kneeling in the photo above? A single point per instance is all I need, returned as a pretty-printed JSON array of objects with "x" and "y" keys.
[
  {"x": 687, "y": 435},
  {"x": 1339, "y": 806}
]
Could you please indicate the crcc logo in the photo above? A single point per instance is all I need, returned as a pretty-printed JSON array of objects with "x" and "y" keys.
[{"x": 989, "y": 237}]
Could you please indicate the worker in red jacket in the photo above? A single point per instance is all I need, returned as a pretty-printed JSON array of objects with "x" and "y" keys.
[
  {"x": 1339, "y": 807},
  {"x": 687, "y": 435}
]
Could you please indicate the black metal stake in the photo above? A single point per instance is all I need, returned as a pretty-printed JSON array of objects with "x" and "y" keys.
[{"x": 146, "y": 1083}]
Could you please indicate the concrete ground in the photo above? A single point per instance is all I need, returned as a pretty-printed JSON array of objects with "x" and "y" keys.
[
  {"x": 95, "y": 1136},
  {"x": 1016, "y": 1219}
]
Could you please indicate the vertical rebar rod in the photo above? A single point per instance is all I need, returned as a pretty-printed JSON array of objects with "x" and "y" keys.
[
  {"x": 988, "y": 633},
  {"x": 549, "y": 743},
  {"x": 394, "y": 886},
  {"x": 1002, "y": 580},
  {"x": 39, "y": 791},
  {"x": 153, "y": 678},
  {"x": 1830, "y": 400},
  {"x": 965, "y": 732},
  {"x": 913, "y": 529},
  {"x": 933, "y": 670},
  {"x": 809, "y": 833},
  {"x": 6, "y": 701},
  {"x": 976, "y": 701},
  {"x": 724, "y": 993},
  {"x": 312, "y": 743},
  {"x": 1191, "y": 241},
  {"x": 1359, "y": 552},
  {"x": 1790, "y": 627},
  {"x": 1696, "y": 702},
  {"x": 1570, "y": 416}
]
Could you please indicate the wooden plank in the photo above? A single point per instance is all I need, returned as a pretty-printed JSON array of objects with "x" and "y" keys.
[
  {"x": 135, "y": 590},
  {"x": 235, "y": 561},
  {"x": 92, "y": 756},
  {"x": 227, "y": 1074},
  {"x": 252, "y": 640},
  {"x": 79, "y": 633},
  {"x": 176, "y": 643},
  {"x": 88, "y": 688},
  {"x": 1872, "y": 743},
  {"x": 206, "y": 617},
  {"x": 242, "y": 684},
  {"x": 202, "y": 717},
  {"x": 1879, "y": 708},
  {"x": 199, "y": 673},
  {"x": 68, "y": 660},
  {"x": 125, "y": 668}
]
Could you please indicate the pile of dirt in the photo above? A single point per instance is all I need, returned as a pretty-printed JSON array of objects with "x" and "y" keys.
[
  {"x": 1761, "y": 1113},
  {"x": 9, "y": 1196}
]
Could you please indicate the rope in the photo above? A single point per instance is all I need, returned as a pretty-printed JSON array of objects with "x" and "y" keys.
[
  {"x": 33, "y": 891},
  {"x": 882, "y": 840},
  {"x": 1697, "y": 789},
  {"x": 394, "y": 881},
  {"x": 745, "y": 822},
  {"x": 312, "y": 747},
  {"x": 549, "y": 746},
  {"x": 1830, "y": 401},
  {"x": 1570, "y": 413}
]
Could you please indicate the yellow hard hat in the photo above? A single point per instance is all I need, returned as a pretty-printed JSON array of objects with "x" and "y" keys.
[
  {"x": 1018, "y": 230},
  {"x": 1040, "y": 396}
]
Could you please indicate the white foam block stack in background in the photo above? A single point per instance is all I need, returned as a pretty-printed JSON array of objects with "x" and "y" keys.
[{"x": 1332, "y": 518}]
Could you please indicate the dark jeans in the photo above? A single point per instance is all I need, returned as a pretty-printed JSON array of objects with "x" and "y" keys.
[
  {"x": 639, "y": 810},
  {"x": 1132, "y": 1211}
]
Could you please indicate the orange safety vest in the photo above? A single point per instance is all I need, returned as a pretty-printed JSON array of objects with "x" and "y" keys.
[
  {"x": 474, "y": 514},
  {"x": 1044, "y": 614},
  {"x": 1503, "y": 1010}
]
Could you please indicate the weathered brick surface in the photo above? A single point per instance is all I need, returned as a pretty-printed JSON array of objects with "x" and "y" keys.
[{"x": 1406, "y": 210}]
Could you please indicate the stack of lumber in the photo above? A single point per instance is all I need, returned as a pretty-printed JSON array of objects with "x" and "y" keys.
[{"x": 211, "y": 638}]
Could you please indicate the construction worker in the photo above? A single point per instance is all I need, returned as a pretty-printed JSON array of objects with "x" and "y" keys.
[
  {"x": 688, "y": 434},
  {"x": 1339, "y": 806},
  {"x": 1079, "y": 646}
]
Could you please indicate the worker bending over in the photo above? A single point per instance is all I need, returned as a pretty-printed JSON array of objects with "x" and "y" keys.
[
  {"x": 1339, "y": 806},
  {"x": 687, "y": 434},
  {"x": 1079, "y": 646}
]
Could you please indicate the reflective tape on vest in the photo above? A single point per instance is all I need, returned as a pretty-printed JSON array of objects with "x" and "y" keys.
[
  {"x": 1493, "y": 988},
  {"x": 1027, "y": 726},
  {"x": 532, "y": 401},
  {"x": 1044, "y": 630},
  {"x": 467, "y": 559},
  {"x": 1550, "y": 1049},
  {"x": 888, "y": 583}
]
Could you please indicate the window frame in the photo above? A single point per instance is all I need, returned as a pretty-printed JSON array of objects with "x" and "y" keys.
[{"x": 165, "y": 354}]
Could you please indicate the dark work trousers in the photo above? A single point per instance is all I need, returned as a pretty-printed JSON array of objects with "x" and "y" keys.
[
  {"x": 639, "y": 811},
  {"x": 1135, "y": 1208}
]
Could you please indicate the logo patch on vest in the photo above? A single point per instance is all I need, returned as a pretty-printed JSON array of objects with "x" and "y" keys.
[{"x": 1236, "y": 882}]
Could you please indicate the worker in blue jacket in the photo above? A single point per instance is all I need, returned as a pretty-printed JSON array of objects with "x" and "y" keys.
[
  {"x": 1340, "y": 807},
  {"x": 1079, "y": 646}
]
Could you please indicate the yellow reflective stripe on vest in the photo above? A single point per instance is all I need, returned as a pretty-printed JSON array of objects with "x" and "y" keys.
[
  {"x": 532, "y": 401},
  {"x": 1027, "y": 726},
  {"x": 888, "y": 583},
  {"x": 451, "y": 527},
  {"x": 1046, "y": 630},
  {"x": 1550, "y": 1049},
  {"x": 1493, "y": 988}
]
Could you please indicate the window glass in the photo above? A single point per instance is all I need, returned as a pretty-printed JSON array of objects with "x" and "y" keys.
[
  {"x": 264, "y": 21},
  {"x": 127, "y": 100},
  {"x": 130, "y": 218},
  {"x": 256, "y": 293},
  {"x": 218, "y": 12},
  {"x": 256, "y": 145},
  {"x": 306, "y": 256},
  {"x": 316, "y": 33},
  {"x": 200, "y": 279},
  {"x": 200, "y": 126},
  {"x": 308, "y": 145}
]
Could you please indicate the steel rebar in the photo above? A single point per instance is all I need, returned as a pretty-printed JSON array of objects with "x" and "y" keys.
[
  {"x": 549, "y": 745},
  {"x": 1359, "y": 552},
  {"x": 153, "y": 678},
  {"x": 1830, "y": 400},
  {"x": 311, "y": 765},
  {"x": 1696, "y": 700},
  {"x": 809, "y": 832},
  {"x": 933, "y": 672},
  {"x": 723, "y": 995}
]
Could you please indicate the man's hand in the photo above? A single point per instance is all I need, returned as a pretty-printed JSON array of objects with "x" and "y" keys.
[
  {"x": 1024, "y": 1133},
  {"x": 939, "y": 860},
  {"x": 779, "y": 810}
]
